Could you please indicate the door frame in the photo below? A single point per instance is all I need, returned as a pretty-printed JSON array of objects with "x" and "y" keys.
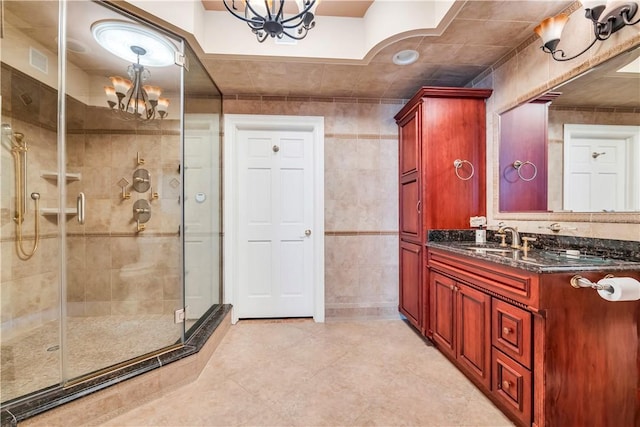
[{"x": 233, "y": 123}]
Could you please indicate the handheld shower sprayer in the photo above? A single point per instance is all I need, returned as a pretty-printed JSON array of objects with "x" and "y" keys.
[{"x": 19, "y": 149}]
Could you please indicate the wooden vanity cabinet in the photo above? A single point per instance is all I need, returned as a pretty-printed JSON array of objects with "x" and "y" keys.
[
  {"x": 436, "y": 127},
  {"x": 555, "y": 355},
  {"x": 460, "y": 319}
]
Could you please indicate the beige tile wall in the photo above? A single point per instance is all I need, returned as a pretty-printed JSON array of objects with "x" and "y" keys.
[
  {"x": 111, "y": 269},
  {"x": 361, "y": 198},
  {"x": 114, "y": 270},
  {"x": 29, "y": 291},
  {"x": 529, "y": 72}
]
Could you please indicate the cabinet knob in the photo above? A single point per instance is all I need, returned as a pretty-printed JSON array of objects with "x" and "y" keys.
[
  {"x": 452, "y": 287},
  {"x": 506, "y": 331},
  {"x": 506, "y": 385}
]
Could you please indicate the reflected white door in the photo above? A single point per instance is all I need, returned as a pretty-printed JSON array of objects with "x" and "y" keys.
[
  {"x": 275, "y": 214},
  {"x": 598, "y": 168},
  {"x": 201, "y": 192}
]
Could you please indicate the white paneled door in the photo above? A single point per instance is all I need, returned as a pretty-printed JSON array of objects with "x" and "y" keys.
[
  {"x": 601, "y": 168},
  {"x": 275, "y": 223}
]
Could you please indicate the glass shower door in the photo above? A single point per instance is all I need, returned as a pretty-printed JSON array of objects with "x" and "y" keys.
[
  {"x": 122, "y": 189},
  {"x": 30, "y": 256}
]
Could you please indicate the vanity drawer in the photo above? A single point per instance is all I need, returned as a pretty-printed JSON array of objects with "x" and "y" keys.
[
  {"x": 511, "y": 385},
  {"x": 511, "y": 331}
]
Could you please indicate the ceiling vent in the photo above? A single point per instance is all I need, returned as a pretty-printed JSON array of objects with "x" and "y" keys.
[{"x": 38, "y": 60}]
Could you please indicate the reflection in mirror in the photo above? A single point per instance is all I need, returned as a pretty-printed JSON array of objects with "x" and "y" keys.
[{"x": 551, "y": 148}]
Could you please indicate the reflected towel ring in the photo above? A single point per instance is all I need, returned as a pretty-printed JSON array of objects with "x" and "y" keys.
[
  {"x": 458, "y": 164},
  {"x": 518, "y": 166}
]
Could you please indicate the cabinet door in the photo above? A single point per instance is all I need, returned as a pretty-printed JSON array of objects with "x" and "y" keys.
[
  {"x": 473, "y": 330},
  {"x": 453, "y": 129},
  {"x": 410, "y": 280},
  {"x": 442, "y": 290},
  {"x": 523, "y": 136},
  {"x": 409, "y": 150},
  {"x": 410, "y": 219}
]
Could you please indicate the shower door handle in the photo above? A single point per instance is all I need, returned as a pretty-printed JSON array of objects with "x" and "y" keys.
[{"x": 80, "y": 207}]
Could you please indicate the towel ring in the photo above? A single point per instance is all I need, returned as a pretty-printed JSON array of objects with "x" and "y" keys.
[
  {"x": 518, "y": 166},
  {"x": 458, "y": 164}
]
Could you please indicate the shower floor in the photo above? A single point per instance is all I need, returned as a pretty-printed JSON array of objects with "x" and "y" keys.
[{"x": 33, "y": 361}]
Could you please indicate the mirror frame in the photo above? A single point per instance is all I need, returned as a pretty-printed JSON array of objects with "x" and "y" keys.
[{"x": 595, "y": 217}]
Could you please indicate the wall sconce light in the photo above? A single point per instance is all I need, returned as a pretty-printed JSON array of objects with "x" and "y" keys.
[{"x": 606, "y": 19}]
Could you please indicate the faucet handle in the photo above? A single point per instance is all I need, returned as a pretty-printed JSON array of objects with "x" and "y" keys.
[
  {"x": 503, "y": 237},
  {"x": 525, "y": 244}
]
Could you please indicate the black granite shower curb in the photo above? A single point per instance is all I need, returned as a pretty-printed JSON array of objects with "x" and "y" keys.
[{"x": 23, "y": 408}]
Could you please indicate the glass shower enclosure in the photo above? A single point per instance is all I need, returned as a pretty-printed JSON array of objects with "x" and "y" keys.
[{"x": 110, "y": 193}]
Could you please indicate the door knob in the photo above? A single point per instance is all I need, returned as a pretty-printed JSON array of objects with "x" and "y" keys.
[{"x": 307, "y": 232}]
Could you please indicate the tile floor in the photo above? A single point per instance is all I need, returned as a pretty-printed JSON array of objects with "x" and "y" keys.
[
  {"x": 300, "y": 373},
  {"x": 31, "y": 361}
]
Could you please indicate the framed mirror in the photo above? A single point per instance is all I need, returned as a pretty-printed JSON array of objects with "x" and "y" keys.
[{"x": 575, "y": 148}]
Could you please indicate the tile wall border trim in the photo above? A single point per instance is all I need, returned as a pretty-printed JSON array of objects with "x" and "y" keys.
[{"x": 361, "y": 233}]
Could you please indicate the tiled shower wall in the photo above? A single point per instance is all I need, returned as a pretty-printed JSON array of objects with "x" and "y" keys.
[
  {"x": 29, "y": 289},
  {"x": 111, "y": 268},
  {"x": 361, "y": 198}
]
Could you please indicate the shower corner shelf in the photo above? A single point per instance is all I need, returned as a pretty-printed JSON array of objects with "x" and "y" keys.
[
  {"x": 70, "y": 176},
  {"x": 54, "y": 211}
]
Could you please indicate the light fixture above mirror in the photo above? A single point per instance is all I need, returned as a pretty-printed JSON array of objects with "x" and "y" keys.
[{"x": 606, "y": 19}]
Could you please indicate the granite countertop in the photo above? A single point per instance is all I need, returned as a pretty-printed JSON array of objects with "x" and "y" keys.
[{"x": 545, "y": 257}]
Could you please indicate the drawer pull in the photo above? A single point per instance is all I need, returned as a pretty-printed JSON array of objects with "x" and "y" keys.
[
  {"x": 506, "y": 385},
  {"x": 507, "y": 331}
]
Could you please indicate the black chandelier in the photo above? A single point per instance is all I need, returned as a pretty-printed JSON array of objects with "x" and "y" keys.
[
  {"x": 606, "y": 20},
  {"x": 132, "y": 99},
  {"x": 266, "y": 18}
]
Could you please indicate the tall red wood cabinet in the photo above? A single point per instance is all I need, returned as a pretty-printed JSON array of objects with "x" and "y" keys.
[{"x": 442, "y": 179}]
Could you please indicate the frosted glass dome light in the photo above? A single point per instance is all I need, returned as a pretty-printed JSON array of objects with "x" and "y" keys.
[{"x": 119, "y": 36}]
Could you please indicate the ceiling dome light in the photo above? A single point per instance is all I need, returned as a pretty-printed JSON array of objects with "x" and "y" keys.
[
  {"x": 118, "y": 37},
  {"x": 405, "y": 57}
]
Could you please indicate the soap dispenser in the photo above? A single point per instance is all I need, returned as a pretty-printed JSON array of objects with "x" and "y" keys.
[{"x": 481, "y": 235}]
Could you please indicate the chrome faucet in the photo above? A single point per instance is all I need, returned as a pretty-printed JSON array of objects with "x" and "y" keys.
[{"x": 515, "y": 236}]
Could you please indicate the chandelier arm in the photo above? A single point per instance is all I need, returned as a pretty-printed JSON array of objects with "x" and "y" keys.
[
  {"x": 562, "y": 54},
  {"x": 624, "y": 13},
  {"x": 242, "y": 18},
  {"x": 301, "y": 23},
  {"x": 301, "y": 14},
  {"x": 261, "y": 36},
  {"x": 608, "y": 26},
  {"x": 303, "y": 34}
]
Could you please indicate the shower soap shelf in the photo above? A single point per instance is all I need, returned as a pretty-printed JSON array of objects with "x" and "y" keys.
[
  {"x": 70, "y": 176},
  {"x": 54, "y": 211}
]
